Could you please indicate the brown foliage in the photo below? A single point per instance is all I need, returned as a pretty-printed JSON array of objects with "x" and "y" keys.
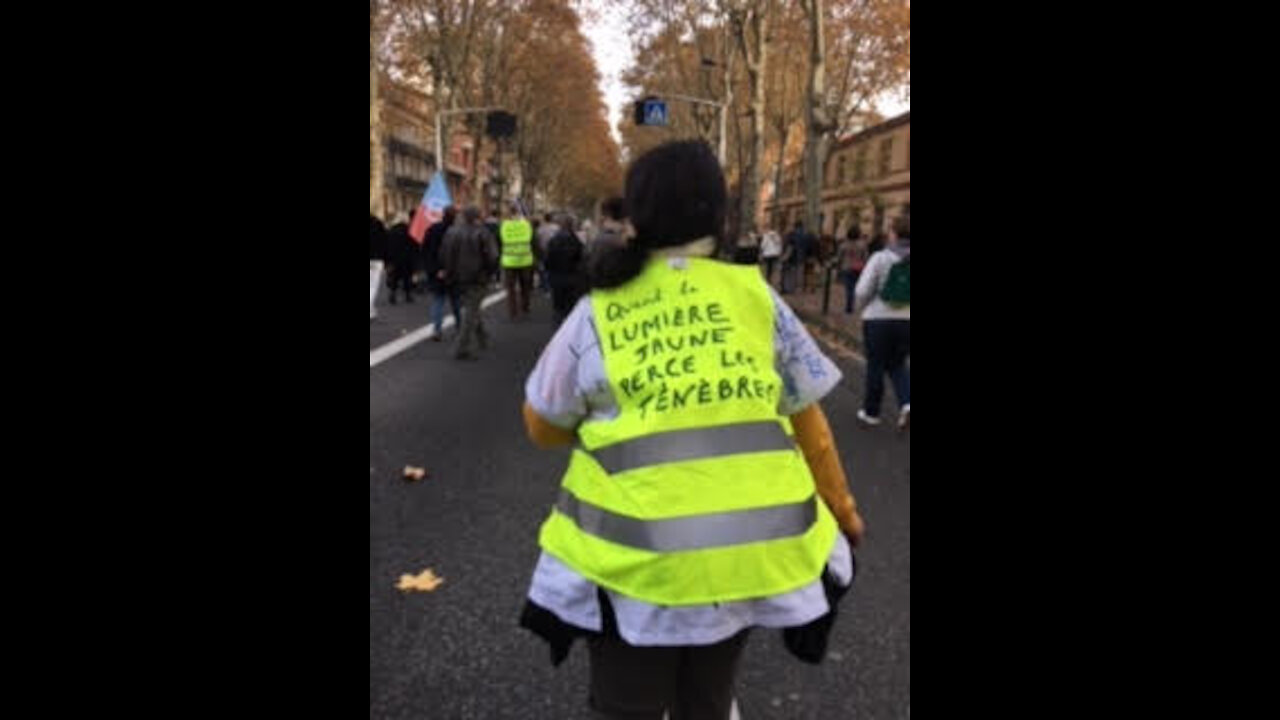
[{"x": 528, "y": 56}]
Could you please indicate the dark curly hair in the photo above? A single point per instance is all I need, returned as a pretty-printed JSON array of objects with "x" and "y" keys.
[{"x": 675, "y": 193}]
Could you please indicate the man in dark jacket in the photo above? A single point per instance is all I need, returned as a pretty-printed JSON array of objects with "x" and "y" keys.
[
  {"x": 439, "y": 288},
  {"x": 800, "y": 246},
  {"x": 402, "y": 250},
  {"x": 469, "y": 255},
  {"x": 566, "y": 270}
]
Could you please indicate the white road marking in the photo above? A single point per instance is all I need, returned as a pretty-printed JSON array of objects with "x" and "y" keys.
[{"x": 395, "y": 347}]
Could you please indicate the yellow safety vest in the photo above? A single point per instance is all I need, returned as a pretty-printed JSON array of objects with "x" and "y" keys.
[
  {"x": 696, "y": 492},
  {"x": 517, "y": 246}
]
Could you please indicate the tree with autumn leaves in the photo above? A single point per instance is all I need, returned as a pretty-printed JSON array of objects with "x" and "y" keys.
[
  {"x": 796, "y": 76},
  {"x": 527, "y": 56}
]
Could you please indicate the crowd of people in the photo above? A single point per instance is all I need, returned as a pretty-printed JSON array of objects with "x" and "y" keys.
[
  {"x": 462, "y": 255},
  {"x": 457, "y": 261},
  {"x": 735, "y": 513},
  {"x": 875, "y": 275}
]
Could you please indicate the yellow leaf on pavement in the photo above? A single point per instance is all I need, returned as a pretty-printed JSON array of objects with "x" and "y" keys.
[{"x": 426, "y": 582}]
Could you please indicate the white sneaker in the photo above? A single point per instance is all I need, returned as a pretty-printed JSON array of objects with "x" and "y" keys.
[
  {"x": 904, "y": 417},
  {"x": 866, "y": 419}
]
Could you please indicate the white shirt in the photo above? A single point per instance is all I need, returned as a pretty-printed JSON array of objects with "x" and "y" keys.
[
  {"x": 569, "y": 385},
  {"x": 872, "y": 281},
  {"x": 771, "y": 246}
]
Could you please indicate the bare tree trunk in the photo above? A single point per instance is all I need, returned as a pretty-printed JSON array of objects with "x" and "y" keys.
[
  {"x": 375, "y": 135},
  {"x": 784, "y": 134},
  {"x": 818, "y": 124},
  {"x": 477, "y": 182},
  {"x": 756, "y": 63},
  {"x": 728, "y": 243}
]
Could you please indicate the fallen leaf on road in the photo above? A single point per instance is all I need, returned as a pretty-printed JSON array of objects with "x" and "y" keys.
[
  {"x": 426, "y": 582},
  {"x": 412, "y": 473}
]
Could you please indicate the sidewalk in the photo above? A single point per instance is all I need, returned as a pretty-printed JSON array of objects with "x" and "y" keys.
[{"x": 808, "y": 306}]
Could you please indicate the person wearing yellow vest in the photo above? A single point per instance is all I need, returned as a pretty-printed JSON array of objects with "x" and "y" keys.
[
  {"x": 516, "y": 235},
  {"x": 704, "y": 495}
]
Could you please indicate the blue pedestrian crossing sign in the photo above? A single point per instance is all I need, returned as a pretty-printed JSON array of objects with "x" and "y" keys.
[{"x": 651, "y": 111}]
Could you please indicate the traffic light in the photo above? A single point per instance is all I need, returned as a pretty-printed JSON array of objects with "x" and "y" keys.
[{"x": 500, "y": 124}]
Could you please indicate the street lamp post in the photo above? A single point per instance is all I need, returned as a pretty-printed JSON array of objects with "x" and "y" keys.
[
  {"x": 719, "y": 106},
  {"x": 440, "y": 114}
]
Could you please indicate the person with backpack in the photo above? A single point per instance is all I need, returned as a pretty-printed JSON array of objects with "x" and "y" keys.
[
  {"x": 850, "y": 261},
  {"x": 884, "y": 298}
]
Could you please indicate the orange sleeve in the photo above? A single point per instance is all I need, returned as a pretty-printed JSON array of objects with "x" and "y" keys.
[
  {"x": 544, "y": 434},
  {"x": 814, "y": 437}
]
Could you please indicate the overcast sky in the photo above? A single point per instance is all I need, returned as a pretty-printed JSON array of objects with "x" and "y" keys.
[{"x": 612, "y": 49}]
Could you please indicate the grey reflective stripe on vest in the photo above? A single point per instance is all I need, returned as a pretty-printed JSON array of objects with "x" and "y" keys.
[
  {"x": 692, "y": 532},
  {"x": 696, "y": 444}
]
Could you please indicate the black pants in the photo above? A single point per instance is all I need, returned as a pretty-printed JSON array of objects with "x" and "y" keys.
[
  {"x": 518, "y": 282},
  {"x": 850, "y": 280},
  {"x": 888, "y": 343},
  {"x": 640, "y": 683},
  {"x": 401, "y": 276},
  {"x": 769, "y": 262}
]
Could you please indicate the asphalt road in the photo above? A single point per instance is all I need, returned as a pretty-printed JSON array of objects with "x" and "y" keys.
[{"x": 458, "y": 653}]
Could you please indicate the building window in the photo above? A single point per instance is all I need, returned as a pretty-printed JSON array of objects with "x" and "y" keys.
[
  {"x": 886, "y": 156},
  {"x": 860, "y": 165},
  {"x": 840, "y": 171}
]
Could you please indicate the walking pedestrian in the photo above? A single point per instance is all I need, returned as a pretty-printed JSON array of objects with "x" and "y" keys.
[
  {"x": 877, "y": 243},
  {"x": 884, "y": 298},
  {"x": 403, "y": 252},
  {"x": 613, "y": 224},
  {"x": 687, "y": 516},
  {"x": 800, "y": 244},
  {"x": 770, "y": 250},
  {"x": 437, "y": 279},
  {"x": 377, "y": 260},
  {"x": 747, "y": 250},
  {"x": 850, "y": 260},
  {"x": 494, "y": 226},
  {"x": 469, "y": 255},
  {"x": 542, "y": 236},
  {"x": 566, "y": 270},
  {"x": 517, "y": 260}
]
